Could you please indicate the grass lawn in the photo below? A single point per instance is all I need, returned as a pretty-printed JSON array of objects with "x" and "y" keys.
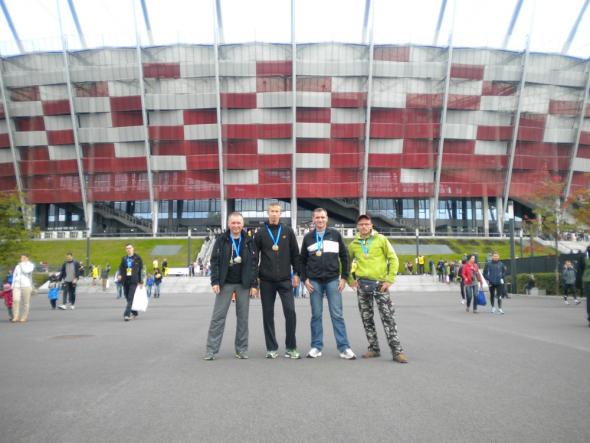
[
  {"x": 479, "y": 246},
  {"x": 103, "y": 251}
]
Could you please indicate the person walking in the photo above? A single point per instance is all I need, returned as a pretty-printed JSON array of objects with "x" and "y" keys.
[
  {"x": 69, "y": 274},
  {"x": 278, "y": 255},
  {"x": 104, "y": 276},
  {"x": 95, "y": 274},
  {"x": 471, "y": 278},
  {"x": 376, "y": 267},
  {"x": 118, "y": 284},
  {"x": 494, "y": 272},
  {"x": 157, "y": 282},
  {"x": 584, "y": 278},
  {"x": 131, "y": 274},
  {"x": 568, "y": 276},
  {"x": 421, "y": 262},
  {"x": 324, "y": 271},
  {"x": 22, "y": 287},
  {"x": 461, "y": 281},
  {"x": 234, "y": 269}
]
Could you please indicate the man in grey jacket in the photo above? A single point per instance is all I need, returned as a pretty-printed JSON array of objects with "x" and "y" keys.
[{"x": 70, "y": 273}]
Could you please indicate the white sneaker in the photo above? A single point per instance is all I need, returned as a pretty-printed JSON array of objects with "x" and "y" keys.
[
  {"x": 72, "y": 307},
  {"x": 566, "y": 302},
  {"x": 493, "y": 310},
  {"x": 576, "y": 301},
  {"x": 500, "y": 312},
  {"x": 64, "y": 307},
  {"x": 314, "y": 353},
  {"x": 348, "y": 354},
  {"x": 462, "y": 302}
]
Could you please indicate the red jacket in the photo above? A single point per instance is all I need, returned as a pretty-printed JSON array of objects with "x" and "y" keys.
[
  {"x": 6, "y": 294},
  {"x": 468, "y": 271}
]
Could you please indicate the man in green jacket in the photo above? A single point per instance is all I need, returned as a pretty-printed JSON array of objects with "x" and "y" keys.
[{"x": 375, "y": 266}]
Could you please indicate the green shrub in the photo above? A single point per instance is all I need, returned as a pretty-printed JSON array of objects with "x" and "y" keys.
[{"x": 543, "y": 280}]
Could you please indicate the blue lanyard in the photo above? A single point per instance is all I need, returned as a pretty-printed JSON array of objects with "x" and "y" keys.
[
  {"x": 275, "y": 241},
  {"x": 235, "y": 248},
  {"x": 129, "y": 262},
  {"x": 320, "y": 240},
  {"x": 368, "y": 245}
]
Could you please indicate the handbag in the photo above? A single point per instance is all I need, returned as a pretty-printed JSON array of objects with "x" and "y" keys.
[
  {"x": 369, "y": 285},
  {"x": 140, "y": 299},
  {"x": 481, "y": 298}
]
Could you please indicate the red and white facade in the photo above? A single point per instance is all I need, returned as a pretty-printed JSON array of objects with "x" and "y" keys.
[{"x": 334, "y": 103}]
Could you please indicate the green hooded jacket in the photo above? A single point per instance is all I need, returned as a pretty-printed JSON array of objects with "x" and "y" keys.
[{"x": 380, "y": 264}]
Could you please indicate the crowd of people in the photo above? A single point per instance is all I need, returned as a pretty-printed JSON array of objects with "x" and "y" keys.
[{"x": 268, "y": 262}]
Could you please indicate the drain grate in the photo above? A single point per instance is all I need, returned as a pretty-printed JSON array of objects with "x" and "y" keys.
[{"x": 70, "y": 337}]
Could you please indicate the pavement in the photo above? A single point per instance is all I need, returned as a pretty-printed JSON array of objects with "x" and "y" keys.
[{"x": 85, "y": 375}]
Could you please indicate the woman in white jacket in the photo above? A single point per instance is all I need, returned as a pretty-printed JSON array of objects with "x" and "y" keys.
[{"x": 22, "y": 286}]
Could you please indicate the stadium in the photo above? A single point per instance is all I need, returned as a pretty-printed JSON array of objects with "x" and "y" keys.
[{"x": 160, "y": 138}]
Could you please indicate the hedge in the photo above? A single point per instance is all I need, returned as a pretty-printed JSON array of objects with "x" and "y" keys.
[{"x": 543, "y": 280}]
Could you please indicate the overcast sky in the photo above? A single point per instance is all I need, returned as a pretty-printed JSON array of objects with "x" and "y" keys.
[{"x": 477, "y": 23}]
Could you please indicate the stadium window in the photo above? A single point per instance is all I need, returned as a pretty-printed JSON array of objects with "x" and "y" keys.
[
  {"x": 423, "y": 209},
  {"x": 408, "y": 210}
]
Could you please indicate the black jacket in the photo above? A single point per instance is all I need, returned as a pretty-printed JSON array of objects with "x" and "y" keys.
[
  {"x": 276, "y": 265},
  {"x": 329, "y": 265},
  {"x": 494, "y": 272},
  {"x": 136, "y": 270},
  {"x": 77, "y": 270},
  {"x": 221, "y": 255}
]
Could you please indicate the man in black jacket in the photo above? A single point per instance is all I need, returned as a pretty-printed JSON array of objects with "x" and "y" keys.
[
  {"x": 277, "y": 246},
  {"x": 234, "y": 269},
  {"x": 131, "y": 274},
  {"x": 494, "y": 272},
  {"x": 324, "y": 270},
  {"x": 70, "y": 273}
]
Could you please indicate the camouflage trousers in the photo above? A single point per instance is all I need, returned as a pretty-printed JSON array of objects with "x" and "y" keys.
[{"x": 366, "y": 302}]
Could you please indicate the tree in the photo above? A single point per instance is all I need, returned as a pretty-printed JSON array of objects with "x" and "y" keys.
[
  {"x": 579, "y": 206},
  {"x": 14, "y": 237},
  {"x": 549, "y": 207}
]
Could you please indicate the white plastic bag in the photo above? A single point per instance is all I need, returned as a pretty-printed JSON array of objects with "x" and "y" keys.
[
  {"x": 107, "y": 284},
  {"x": 140, "y": 299}
]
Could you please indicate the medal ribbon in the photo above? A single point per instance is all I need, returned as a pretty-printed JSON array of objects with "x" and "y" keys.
[
  {"x": 366, "y": 245},
  {"x": 275, "y": 241},
  {"x": 320, "y": 240},
  {"x": 236, "y": 249}
]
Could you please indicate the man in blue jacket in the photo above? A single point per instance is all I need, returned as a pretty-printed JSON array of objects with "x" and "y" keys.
[{"x": 234, "y": 269}]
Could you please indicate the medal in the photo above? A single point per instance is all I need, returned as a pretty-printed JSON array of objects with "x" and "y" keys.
[
  {"x": 235, "y": 251},
  {"x": 365, "y": 246},
  {"x": 275, "y": 241},
  {"x": 320, "y": 243}
]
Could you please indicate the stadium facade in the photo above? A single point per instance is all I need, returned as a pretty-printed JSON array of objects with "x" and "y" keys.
[{"x": 163, "y": 138}]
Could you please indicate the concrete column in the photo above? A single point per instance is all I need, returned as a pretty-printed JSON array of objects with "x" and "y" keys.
[{"x": 500, "y": 214}]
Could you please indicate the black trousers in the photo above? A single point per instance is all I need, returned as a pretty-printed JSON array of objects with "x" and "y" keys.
[
  {"x": 69, "y": 293},
  {"x": 129, "y": 291},
  {"x": 496, "y": 291},
  {"x": 268, "y": 295}
]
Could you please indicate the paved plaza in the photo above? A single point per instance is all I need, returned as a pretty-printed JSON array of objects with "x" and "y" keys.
[{"x": 87, "y": 376}]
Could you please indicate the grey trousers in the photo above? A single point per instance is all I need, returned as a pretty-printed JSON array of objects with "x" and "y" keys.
[{"x": 222, "y": 303}]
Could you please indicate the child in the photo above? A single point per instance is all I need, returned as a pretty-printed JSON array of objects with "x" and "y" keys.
[
  {"x": 149, "y": 285},
  {"x": 6, "y": 294},
  {"x": 53, "y": 290}
]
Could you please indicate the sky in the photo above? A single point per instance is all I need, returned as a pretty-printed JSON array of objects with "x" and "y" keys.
[{"x": 475, "y": 23}]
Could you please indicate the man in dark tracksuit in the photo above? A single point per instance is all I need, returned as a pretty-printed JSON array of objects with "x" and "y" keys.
[
  {"x": 70, "y": 273},
  {"x": 234, "y": 269},
  {"x": 278, "y": 250},
  {"x": 131, "y": 275},
  {"x": 494, "y": 272}
]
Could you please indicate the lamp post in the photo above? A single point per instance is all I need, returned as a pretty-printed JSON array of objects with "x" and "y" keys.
[
  {"x": 417, "y": 250},
  {"x": 520, "y": 238},
  {"x": 512, "y": 257},
  {"x": 87, "y": 251},
  {"x": 188, "y": 257}
]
